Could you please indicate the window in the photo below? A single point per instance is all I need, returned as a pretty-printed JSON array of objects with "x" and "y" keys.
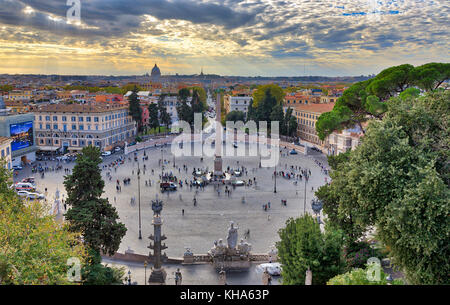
[
  {"x": 47, "y": 118},
  {"x": 40, "y": 126},
  {"x": 55, "y": 126},
  {"x": 64, "y": 119},
  {"x": 74, "y": 127},
  {"x": 88, "y": 119},
  {"x": 80, "y": 119},
  {"x": 96, "y": 119},
  {"x": 55, "y": 118},
  {"x": 47, "y": 126},
  {"x": 65, "y": 127},
  {"x": 81, "y": 127},
  {"x": 7, "y": 151},
  {"x": 3, "y": 153},
  {"x": 74, "y": 143},
  {"x": 74, "y": 119}
]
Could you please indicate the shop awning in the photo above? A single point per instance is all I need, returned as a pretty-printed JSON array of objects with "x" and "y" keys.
[{"x": 48, "y": 148}]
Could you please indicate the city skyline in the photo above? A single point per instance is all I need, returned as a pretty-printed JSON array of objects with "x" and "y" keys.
[{"x": 245, "y": 38}]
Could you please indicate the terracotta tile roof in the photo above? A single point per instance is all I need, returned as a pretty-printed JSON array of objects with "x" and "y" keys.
[
  {"x": 317, "y": 108},
  {"x": 80, "y": 108}
]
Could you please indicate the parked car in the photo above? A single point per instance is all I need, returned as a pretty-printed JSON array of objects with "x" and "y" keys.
[
  {"x": 22, "y": 186},
  {"x": 238, "y": 183},
  {"x": 235, "y": 145},
  {"x": 117, "y": 149},
  {"x": 164, "y": 186},
  {"x": 237, "y": 173},
  {"x": 30, "y": 195},
  {"x": 272, "y": 268},
  {"x": 106, "y": 153},
  {"x": 293, "y": 152},
  {"x": 17, "y": 167},
  {"x": 29, "y": 180}
]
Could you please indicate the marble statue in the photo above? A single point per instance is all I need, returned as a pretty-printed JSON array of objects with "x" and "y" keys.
[
  {"x": 244, "y": 247},
  {"x": 232, "y": 236}
]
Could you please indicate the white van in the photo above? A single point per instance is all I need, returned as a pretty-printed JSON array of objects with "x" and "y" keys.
[{"x": 24, "y": 186}]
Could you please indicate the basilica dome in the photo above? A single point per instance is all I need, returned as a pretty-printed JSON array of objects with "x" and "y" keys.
[{"x": 155, "y": 72}]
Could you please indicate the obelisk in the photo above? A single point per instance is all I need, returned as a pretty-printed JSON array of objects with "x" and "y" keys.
[{"x": 219, "y": 138}]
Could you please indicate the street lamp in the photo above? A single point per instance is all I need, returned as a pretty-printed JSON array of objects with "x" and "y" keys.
[
  {"x": 129, "y": 277},
  {"x": 275, "y": 181},
  {"x": 139, "y": 199},
  {"x": 317, "y": 206},
  {"x": 145, "y": 272},
  {"x": 304, "y": 202}
]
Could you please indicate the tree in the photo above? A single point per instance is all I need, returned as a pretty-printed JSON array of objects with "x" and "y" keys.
[
  {"x": 235, "y": 116},
  {"x": 303, "y": 245},
  {"x": 95, "y": 273},
  {"x": 290, "y": 122},
  {"x": 277, "y": 115},
  {"x": 251, "y": 113},
  {"x": 201, "y": 94},
  {"x": 130, "y": 87},
  {"x": 260, "y": 94},
  {"x": 135, "y": 108},
  {"x": 397, "y": 181},
  {"x": 166, "y": 119},
  {"x": 197, "y": 106},
  {"x": 153, "y": 116},
  {"x": 366, "y": 99},
  {"x": 183, "y": 94},
  {"x": 162, "y": 109},
  {"x": 185, "y": 112},
  {"x": 360, "y": 276},
  {"x": 34, "y": 248},
  {"x": 430, "y": 76},
  {"x": 265, "y": 107},
  {"x": 90, "y": 214}
]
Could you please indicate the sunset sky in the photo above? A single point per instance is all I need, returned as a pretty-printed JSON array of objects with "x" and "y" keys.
[{"x": 227, "y": 37}]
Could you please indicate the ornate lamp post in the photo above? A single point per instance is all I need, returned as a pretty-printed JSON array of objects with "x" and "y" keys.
[
  {"x": 158, "y": 275},
  {"x": 129, "y": 277}
]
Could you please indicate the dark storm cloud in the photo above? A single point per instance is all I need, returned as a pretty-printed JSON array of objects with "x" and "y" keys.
[{"x": 116, "y": 17}]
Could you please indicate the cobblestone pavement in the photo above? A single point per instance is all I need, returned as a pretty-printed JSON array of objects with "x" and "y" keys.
[{"x": 209, "y": 220}]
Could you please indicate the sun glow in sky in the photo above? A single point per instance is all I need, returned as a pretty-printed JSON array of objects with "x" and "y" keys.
[{"x": 227, "y": 37}]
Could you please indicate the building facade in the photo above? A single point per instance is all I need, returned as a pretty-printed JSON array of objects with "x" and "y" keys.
[
  {"x": 19, "y": 127},
  {"x": 237, "y": 103},
  {"x": 5, "y": 151},
  {"x": 70, "y": 127},
  {"x": 307, "y": 116}
]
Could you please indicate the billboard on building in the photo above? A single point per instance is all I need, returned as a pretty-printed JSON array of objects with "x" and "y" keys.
[{"x": 22, "y": 135}]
